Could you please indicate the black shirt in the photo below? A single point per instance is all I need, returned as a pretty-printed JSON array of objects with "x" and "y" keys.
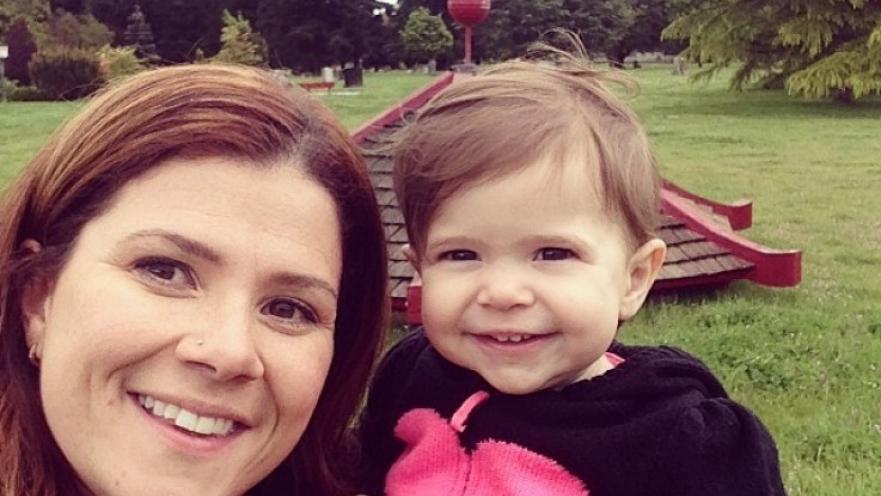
[{"x": 658, "y": 424}]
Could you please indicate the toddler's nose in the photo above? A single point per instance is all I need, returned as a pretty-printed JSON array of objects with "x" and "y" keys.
[{"x": 504, "y": 291}]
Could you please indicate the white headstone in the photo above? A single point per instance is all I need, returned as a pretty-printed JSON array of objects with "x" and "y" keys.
[{"x": 327, "y": 74}]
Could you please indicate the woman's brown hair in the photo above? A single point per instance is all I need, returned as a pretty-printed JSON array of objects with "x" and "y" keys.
[{"x": 130, "y": 127}]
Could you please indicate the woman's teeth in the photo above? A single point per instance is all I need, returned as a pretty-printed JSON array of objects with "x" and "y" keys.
[{"x": 186, "y": 419}]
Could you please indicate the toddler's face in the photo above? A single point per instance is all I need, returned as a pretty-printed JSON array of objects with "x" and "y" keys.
[{"x": 525, "y": 278}]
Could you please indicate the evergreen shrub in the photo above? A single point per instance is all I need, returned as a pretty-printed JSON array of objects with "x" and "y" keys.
[
  {"x": 117, "y": 62},
  {"x": 15, "y": 92},
  {"x": 63, "y": 73}
]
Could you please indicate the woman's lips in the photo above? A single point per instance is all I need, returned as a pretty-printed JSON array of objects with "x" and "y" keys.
[{"x": 186, "y": 430}]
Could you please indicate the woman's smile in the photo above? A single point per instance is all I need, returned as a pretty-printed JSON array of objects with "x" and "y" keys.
[{"x": 191, "y": 330}]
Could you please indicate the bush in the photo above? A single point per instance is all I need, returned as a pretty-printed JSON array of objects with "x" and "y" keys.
[
  {"x": 119, "y": 62},
  {"x": 17, "y": 93},
  {"x": 76, "y": 31},
  {"x": 65, "y": 73},
  {"x": 26, "y": 94}
]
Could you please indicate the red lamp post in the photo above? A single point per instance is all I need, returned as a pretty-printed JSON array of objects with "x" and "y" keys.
[{"x": 468, "y": 13}]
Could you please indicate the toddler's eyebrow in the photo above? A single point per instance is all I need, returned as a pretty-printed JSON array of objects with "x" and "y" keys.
[
  {"x": 450, "y": 242},
  {"x": 554, "y": 239}
]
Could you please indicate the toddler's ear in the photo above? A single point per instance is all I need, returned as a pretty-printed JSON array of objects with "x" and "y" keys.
[
  {"x": 642, "y": 270},
  {"x": 412, "y": 257}
]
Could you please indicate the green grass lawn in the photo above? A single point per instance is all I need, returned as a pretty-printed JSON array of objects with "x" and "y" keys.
[
  {"x": 807, "y": 359},
  {"x": 25, "y": 126}
]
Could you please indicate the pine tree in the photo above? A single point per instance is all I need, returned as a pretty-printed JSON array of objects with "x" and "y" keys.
[
  {"x": 238, "y": 42},
  {"x": 813, "y": 48}
]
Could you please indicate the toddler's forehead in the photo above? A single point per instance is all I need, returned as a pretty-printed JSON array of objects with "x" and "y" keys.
[
  {"x": 567, "y": 174},
  {"x": 555, "y": 183}
]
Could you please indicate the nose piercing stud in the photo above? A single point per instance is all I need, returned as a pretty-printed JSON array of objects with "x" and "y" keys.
[{"x": 200, "y": 342}]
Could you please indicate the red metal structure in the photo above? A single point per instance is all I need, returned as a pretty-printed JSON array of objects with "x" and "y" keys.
[{"x": 468, "y": 13}]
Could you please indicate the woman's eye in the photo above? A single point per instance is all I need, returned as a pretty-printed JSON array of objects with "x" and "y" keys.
[
  {"x": 166, "y": 272},
  {"x": 552, "y": 254},
  {"x": 287, "y": 309},
  {"x": 459, "y": 255}
]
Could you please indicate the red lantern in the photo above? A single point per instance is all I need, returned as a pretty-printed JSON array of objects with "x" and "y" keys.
[{"x": 468, "y": 13}]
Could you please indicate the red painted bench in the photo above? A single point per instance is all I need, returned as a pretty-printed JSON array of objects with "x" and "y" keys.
[{"x": 317, "y": 85}]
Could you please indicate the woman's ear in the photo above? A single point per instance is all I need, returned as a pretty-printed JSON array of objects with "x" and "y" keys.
[
  {"x": 35, "y": 299},
  {"x": 642, "y": 269},
  {"x": 412, "y": 257}
]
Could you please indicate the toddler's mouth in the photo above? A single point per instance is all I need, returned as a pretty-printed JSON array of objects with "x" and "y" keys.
[{"x": 510, "y": 337}]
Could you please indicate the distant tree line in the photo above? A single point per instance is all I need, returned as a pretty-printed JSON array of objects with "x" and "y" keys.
[
  {"x": 305, "y": 35},
  {"x": 815, "y": 48}
]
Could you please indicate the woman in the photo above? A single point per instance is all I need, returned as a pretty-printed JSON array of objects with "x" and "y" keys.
[{"x": 192, "y": 293}]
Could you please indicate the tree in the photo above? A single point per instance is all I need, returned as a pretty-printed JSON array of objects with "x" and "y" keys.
[
  {"x": 72, "y": 6},
  {"x": 21, "y": 49},
  {"x": 513, "y": 25},
  {"x": 112, "y": 13},
  {"x": 180, "y": 27},
  {"x": 76, "y": 31},
  {"x": 606, "y": 26},
  {"x": 426, "y": 36},
  {"x": 239, "y": 44},
  {"x": 139, "y": 35},
  {"x": 305, "y": 35},
  {"x": 33, "y": 11},
  {"x": 813, "y": 48}
]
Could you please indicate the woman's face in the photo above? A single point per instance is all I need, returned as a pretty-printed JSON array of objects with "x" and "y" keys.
[{"x": 185, "y": 342}]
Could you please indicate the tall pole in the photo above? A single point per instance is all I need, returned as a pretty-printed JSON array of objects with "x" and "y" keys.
[
  {"x": 468, "y": 13},
  {"x": 4, "y": 52},
  {"x": 467, "y": 44}
]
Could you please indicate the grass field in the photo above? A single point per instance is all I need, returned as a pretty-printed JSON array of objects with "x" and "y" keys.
[
  {"x": 807, "y": 359},
  {"x": 25, "y": 126}
]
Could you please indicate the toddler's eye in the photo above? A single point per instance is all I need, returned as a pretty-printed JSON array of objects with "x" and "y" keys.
[
  {"x": 166, "y": 272},
  {"x": 551, "y": 254},
  {"x": 459, "y": 255},
  {"x": 289, "y": 310}
]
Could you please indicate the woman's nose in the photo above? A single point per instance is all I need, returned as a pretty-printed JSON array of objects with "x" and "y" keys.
[
  {"x": 224, "y": 346},
  {"x": 505, "y": 289}
]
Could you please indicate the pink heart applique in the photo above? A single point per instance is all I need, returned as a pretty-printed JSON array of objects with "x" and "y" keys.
[{"x": 435, "y": 464}]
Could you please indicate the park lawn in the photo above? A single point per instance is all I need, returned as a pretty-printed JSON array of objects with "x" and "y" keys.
[
  {"x": 25, "y": 126},
  {"x": 806, "y": 359}
]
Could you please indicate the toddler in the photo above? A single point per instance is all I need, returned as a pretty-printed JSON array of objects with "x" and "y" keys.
[{"x": 531, "y": 198}]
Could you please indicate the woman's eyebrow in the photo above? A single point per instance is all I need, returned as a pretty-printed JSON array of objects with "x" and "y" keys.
[
  {"x": 200, "y": 250},
  {"x": 185, "y": 244},
  {"x": 302, "y": 281}
]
